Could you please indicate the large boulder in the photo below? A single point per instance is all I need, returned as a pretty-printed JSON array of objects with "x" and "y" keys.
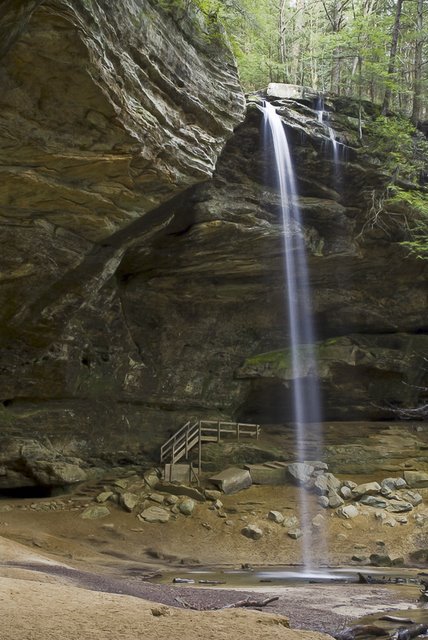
[
  {"x": 232, "y": 480},
  {"x": 301, "y": 472}
]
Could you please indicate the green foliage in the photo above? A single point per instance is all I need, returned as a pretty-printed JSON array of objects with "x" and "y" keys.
[
  {"x": 395, "y": 141},
  {"x": 403, "y": 152},
  {"x": 416, "y": 203}
]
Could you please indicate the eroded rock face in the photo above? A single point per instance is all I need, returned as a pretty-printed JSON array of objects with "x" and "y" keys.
[
  {"x": 217, "y": 290},
  {"x": 131, "y": 301},
  {"x": 107, "y": 112}
]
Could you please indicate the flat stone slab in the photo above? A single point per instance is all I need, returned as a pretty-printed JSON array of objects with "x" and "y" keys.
[
  {"x": 374, "y": 501},
  {"x": 264, "y": 474},
  {"x": 290, "y": 91},
  {"x": 94, "y": 512},
  {"x": 155, "y": 514},
  {"x": 181, "y": 490},
  {"x": 399, "y": 506},
  {"x": 368, "y": 488},
  {"x": 416, "y": 479},
  {"x": 232, "y": 480}
]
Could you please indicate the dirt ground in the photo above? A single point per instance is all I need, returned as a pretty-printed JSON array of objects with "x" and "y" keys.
[
  {"x": 204, "y": 538},
  {"x": 65, "y": 577},
  {"x": 42, "y": 599}
]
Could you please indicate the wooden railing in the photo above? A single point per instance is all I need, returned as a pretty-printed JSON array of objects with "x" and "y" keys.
[{"x": 190, "y": 435}]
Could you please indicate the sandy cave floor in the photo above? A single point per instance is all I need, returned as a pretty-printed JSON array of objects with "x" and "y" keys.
[{"x": 93, "y": 578}]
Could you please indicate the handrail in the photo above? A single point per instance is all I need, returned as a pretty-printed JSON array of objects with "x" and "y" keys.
[
  {"x": 181, "y": 442},
  {"x": 173, "y": 437}
]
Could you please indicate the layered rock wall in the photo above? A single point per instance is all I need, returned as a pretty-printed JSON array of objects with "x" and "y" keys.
[
  {"x": 133, "y": 299},
  {"x": 107, "y": 111}
]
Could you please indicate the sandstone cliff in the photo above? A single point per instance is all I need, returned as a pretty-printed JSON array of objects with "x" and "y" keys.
[
  {"x": 107, "y": 111},
  {"x": 132, "y": 300}
]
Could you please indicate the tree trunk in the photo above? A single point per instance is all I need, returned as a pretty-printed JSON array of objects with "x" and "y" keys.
[
  {"x": 297, "y": 39},
  {"x": 282, "y": 31},
  {"x": 393, "y": 55},
  {"x": 417, "y": 79}
]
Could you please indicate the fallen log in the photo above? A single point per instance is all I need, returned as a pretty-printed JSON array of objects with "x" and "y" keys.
[
  {"x": 410, "y": 632},
  {"x": 251, "y": 603},
  {"x": 185, "y": 604},
  {"x": 396, "y": 619},
  {"x": 360, "y": 630},
  {"x": 183, "y": 581}
]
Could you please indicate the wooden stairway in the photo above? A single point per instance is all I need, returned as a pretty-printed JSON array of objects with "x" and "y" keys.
[{"x": 194, "y": 434}]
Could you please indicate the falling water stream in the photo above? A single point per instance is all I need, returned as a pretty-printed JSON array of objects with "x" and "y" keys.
[
  {"x": 305, "y": 385},
  {"x": 334, "y": 142}
]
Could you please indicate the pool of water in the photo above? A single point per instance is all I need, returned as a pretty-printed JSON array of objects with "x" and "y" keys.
[{"x": 245, "y": 578}]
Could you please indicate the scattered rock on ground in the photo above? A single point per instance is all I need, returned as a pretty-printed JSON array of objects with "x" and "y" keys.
[
  {"x": 276, "y": 516},
  {"x": 346, "y": 493},
  {"x": 350, "y": 484},
  {"x": 155, "y": 514},
  {"x": 295, "y": 533},
  {"x": 212, "y": 494},
  {"x": 318, "y": 521},
  {"x": 348, "y": 511},
  {"x": 367, "y": 488},
  {"x": 151, "y": 478},
  {"x": 95, "y": 511},
  {"x": 128, "y": 500},
  {"x": 334, "y": 500},
  {"x": 385, "y": 519},
  {"x": 104, "y": 496},
  {"x": 325, "y": 483},
  {"x": 252, "y": 531},
  {"x": 390, "y": 484},
  {"x": 290, "y": 522},
  {"x": 374, "y": 501},
  {"x": 157, "y": 497},
  {"x": 411, "y": 496},
  {"x": 187, "y": 506},
  {"x": 397, "y": 506}
]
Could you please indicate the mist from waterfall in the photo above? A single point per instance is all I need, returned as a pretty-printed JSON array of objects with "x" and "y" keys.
[{"x": 305, "y": 384}]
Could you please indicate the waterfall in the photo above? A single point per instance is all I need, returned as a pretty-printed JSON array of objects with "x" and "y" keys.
[
  {"x": 335, "y": 144},
  {"x": 319, "y": 108},
  {"x": 306, "y": 395}
]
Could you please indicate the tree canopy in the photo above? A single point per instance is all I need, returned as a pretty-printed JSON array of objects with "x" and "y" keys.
[{"x": 374, "y": 49}]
